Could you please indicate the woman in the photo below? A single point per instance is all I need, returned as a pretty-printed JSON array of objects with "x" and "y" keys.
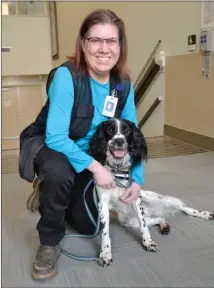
[{"x": 64, "y": 164}]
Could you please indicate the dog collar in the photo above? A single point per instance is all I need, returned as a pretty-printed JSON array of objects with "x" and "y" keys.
[{"x": 122, "y": 175}]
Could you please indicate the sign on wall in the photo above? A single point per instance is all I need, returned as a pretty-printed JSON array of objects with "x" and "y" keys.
[
  {"x": 207, "y": 14},
  {"x": 191, "y": 42}
]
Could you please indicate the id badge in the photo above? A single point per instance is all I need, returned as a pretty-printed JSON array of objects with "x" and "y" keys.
[{"x": 110, "y": 106}]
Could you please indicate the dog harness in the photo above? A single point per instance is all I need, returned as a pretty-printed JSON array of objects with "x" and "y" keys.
[{"x": 122, "y": 175}]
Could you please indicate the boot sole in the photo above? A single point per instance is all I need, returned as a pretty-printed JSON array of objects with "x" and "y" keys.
[{"x": 38, "y": 276}]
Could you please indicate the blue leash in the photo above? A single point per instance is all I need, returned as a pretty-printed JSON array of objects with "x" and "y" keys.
[{"x": 96, "y": 225}]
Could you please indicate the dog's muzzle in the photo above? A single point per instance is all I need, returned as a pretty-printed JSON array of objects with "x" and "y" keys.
[{"x": 118, "y": 147}]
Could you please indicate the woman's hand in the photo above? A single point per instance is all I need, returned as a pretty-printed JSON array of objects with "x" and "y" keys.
[
  {"x": 131, "y": 194},
  {"x": 102, "y": 176}
]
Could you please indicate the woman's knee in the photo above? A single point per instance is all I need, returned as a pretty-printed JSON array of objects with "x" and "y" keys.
[
  {"x": 56, "y": 168},
  {"x": 58, "y": 173}
]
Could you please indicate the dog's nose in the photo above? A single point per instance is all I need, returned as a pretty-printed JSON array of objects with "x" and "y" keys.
[{"x": 119, "y": 141}]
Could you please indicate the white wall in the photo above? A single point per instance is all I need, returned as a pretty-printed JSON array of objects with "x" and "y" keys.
[
  {"x": 155, "y": 124},
  {"x": 29, "y": 39},
  {"x": 146, "y": 23}
]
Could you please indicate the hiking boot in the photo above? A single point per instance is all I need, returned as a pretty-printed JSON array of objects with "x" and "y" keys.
[
  {"x": 44, "y": 265},
  {"x": 33, "y": 200}
]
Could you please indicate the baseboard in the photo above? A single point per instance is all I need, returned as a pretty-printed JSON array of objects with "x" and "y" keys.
[{"x": 202, "y": 141}]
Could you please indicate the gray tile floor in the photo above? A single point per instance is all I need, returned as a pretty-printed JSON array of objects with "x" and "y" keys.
[{"x": 185, "y": 258}]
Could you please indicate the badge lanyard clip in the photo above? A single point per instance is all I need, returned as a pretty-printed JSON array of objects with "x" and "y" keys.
[{"x": 114, "y": 93}]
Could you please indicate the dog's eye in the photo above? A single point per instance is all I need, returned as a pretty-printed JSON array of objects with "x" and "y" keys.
[
  {"x": 126, "y": 130},
  {"x": 110, "y": 130}
]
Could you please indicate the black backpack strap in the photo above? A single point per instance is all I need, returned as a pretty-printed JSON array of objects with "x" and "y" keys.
[{"x": 122, "y": 93}]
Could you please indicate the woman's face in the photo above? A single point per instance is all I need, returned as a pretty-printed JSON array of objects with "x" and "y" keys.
[{"x": 101, "y": 55}]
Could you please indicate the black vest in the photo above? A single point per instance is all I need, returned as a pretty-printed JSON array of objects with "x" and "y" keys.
[
  {"x": 83, "y": 109},
  {"x": 32, "y": 138}
]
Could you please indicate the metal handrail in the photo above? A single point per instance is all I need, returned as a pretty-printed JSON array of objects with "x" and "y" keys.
[
  {"x": 149, "y": 87},
  {"x": 147, "y": 63},
  {"x": 149, "y": 112}
]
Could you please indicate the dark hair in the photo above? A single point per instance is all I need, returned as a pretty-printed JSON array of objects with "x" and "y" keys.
[{"x": 102, "y": 16}]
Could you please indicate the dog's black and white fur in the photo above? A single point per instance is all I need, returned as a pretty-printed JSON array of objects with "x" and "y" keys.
[{"x": 114, "y": 144}]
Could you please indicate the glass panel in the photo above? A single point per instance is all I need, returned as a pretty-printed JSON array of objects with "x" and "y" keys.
[
  {"x": 22, "y": 8},
  {"x": 4, "y": 8},
  {"x": 8, "y": 8},
  {"x": 31, "y": 8},
  {"x": 12, "y": 8}
]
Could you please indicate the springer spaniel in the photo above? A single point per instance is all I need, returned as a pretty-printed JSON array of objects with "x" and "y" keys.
[{"x": 115, "y": 144}]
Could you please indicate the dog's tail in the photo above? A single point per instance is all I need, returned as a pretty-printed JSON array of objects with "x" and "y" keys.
[{"x": 173, "y": 205}]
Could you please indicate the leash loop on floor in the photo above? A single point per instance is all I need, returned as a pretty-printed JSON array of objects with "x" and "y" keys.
[{"x": 96, "y": 225}]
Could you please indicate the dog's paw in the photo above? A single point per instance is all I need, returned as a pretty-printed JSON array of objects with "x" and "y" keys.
[
  {"x": 150, "y": 245},
  {"x": 105, "y": 259},
  {"x": 164, "y": 229},
  {"x": 211, "y": 216},
  {"x": 206, "y": 215}
]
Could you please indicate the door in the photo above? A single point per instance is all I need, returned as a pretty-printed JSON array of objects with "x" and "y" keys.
[
  {"x": 10, "y": 119},
  {"x": 30, "y": 104},
  {"x": 20, "y": 107}
]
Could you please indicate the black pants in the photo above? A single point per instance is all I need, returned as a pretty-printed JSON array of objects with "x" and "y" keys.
[{"x": 61, "y": 200}]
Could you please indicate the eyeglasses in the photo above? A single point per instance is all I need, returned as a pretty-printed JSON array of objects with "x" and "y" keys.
[{"x": 99, "y": 41}]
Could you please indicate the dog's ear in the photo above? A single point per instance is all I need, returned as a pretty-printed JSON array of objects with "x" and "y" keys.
[
  {"x": 138, "y": 146},
  {"x": 98, "y": 144}
]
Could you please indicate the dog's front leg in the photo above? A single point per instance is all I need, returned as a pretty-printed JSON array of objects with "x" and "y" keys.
[
  {"x": 105, "y": 257},
  {"x": 147, "y": 242}
]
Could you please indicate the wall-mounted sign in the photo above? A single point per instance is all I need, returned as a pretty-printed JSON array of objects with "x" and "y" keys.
[{"x": 192, "y": 42}]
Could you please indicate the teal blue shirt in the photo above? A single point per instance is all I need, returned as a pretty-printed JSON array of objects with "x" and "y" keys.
[{"x": 61, "y": 95}]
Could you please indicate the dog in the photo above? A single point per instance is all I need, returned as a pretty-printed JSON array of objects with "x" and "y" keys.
[{"x": 116, "y": 144}]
